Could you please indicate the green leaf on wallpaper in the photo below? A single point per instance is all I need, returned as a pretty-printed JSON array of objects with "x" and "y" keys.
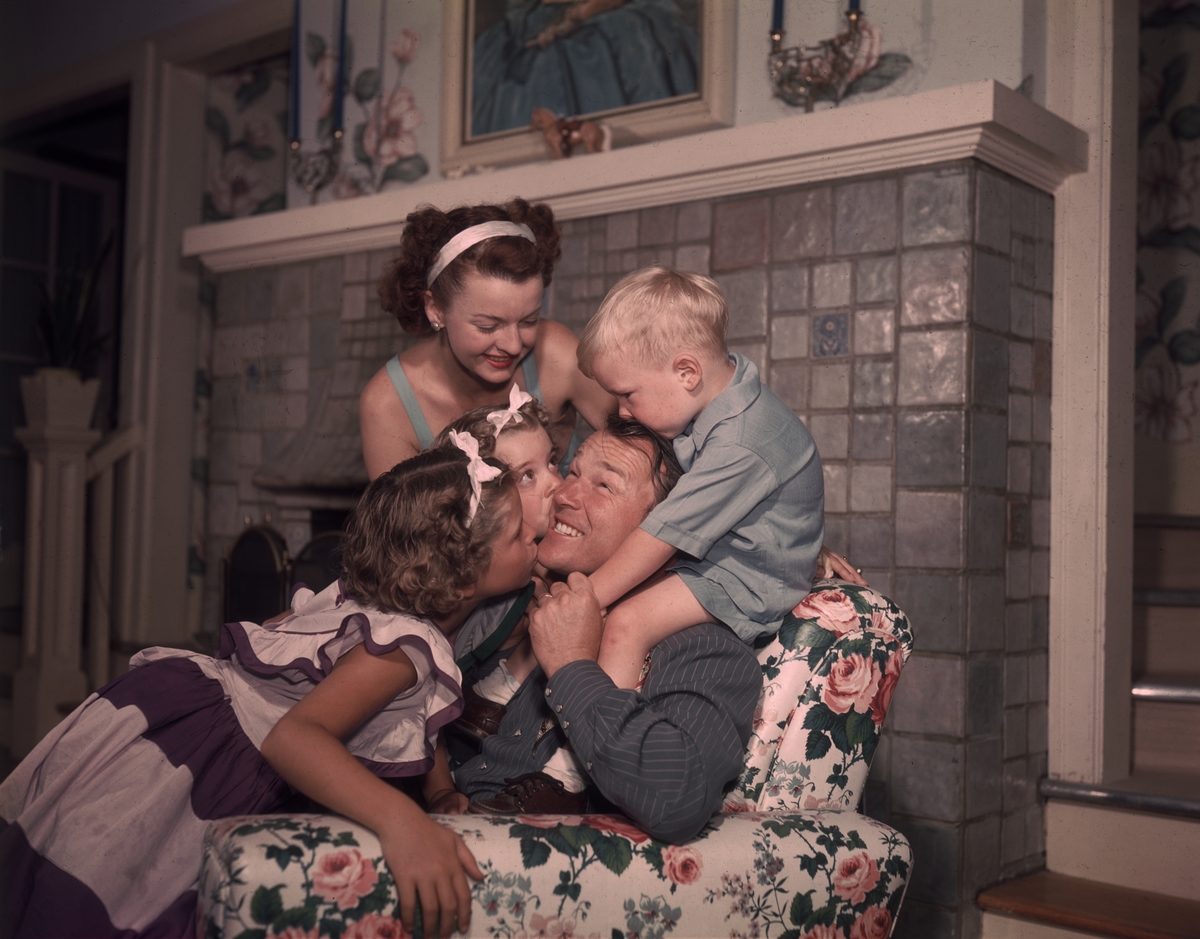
[
  {"x": 407, "y": 170},
  {"x": 275, "y": 202},
  {"x": 1169, "y": 18},
  {"x": 1171, "y": 296},
  {"x": 1185, "y": 347},
  {"x": 250, "y": 91},
  {"x": 360, "y": 152},
  {"x": 891, "y": 65},
  {"x": 1174, "y": 72},
  {"x": 1187, "y": 237},
  {"x": 366, "y": 86},
  {"x": 1185, "y": 123},
  {"x": 216, "y": 122},
  {"x": 314, "y": 48}
]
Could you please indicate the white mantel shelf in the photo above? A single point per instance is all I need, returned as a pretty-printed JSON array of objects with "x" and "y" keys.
[{"x": 983, "y": 120}]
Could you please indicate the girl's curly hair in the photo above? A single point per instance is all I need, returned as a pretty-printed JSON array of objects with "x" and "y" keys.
[
  {"x": 408, "y": 547},
  {"x": 475, "y": 422},
  {"x": 512, "y": 258}
]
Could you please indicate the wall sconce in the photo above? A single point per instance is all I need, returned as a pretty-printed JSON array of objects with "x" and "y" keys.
[
  {"x": 314, "y": 169},
  {"x": 802, "y": 74}
]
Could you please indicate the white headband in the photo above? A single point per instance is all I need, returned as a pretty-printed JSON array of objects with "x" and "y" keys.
[
  {"x": 516, "y": 400},
  {"x": 478, "y": 471},
  {"x": 469, "y": 237}
]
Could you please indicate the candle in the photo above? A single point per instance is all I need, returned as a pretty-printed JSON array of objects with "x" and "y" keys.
[
  {"x": 294, "y": 116},
  {"x": 339, "y": 93},
  {"x": 855, "y": 6},
  {"x": 777, "y": 17}
]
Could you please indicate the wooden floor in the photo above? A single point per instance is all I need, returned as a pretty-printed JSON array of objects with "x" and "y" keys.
[{"x": 1072, "y": 902}]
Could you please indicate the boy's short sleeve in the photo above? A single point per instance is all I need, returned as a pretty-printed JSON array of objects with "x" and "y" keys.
[{"x": 724, "y": 486}]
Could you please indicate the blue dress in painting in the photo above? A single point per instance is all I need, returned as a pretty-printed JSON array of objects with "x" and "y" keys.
[{"x": 642, "y": 52}]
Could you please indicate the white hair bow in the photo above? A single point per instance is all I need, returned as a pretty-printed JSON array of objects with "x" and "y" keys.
[
  {"x": 517, "y": 399},
  {"x": 478, "y": 471}
]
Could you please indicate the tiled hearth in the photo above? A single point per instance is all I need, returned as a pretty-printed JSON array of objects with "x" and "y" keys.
[{"x": 906, "y": 319}]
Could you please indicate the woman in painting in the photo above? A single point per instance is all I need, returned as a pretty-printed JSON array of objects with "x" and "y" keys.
[
  {"x": 581, "y": 57},
  {"x": 469, "y": 282}
]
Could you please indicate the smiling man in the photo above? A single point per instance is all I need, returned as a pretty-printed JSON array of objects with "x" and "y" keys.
[{"x": 662, "y": 754}]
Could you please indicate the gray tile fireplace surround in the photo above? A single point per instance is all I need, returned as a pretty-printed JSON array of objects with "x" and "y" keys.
[{"x": 907, "y": 319}]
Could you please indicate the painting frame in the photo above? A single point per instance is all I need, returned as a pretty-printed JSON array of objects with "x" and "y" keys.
[{"x": 710, "y": 107}]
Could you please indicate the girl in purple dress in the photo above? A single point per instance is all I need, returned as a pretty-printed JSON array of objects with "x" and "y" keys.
[{"x": 103, "y": 822}]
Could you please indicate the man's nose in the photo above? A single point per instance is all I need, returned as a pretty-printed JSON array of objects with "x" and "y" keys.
[{"x": 567, "y": 493}]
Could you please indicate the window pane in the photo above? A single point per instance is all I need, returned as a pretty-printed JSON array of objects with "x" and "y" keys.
[
  {"x": 79, "y": 237},
  {"x": 26, "y": 218},
  {"x": 20, "y": 298}
]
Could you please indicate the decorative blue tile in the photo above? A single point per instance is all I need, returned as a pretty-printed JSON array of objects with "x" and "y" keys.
[{"x": 831, "y": 335}]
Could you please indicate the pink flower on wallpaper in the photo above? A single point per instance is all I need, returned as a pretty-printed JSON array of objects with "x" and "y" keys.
[
  {"x": 551, "y": 926},
  {"x": 1163, "y": 408},
  {"x": 1165, "y": 187},
  {"x": 868, "y": 51},
  {"x": 258, "y": 132},
  {"x": 374, "y": 926},
  {"x": 327, "y": 81},
  {"x": 389, "y": 135},
  {"x": 239, "y": 185},
  {"x": 683, "y": 864},
  {"x": 855, "y": 876},
  {"x": 344, "y": 877},
  {"x": 346, "y": 187},
  {"x": 832, "y": 609},
  {"x": 874, "y": 923},
  {"x": 403, "y": 47},
  {"x": 852, "y": 684}
]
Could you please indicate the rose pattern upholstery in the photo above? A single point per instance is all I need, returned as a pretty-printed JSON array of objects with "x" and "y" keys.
[{"x": 787, "y": 858}]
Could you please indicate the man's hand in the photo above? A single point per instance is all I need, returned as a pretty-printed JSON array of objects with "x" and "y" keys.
[{"x": 566, "y": 626}]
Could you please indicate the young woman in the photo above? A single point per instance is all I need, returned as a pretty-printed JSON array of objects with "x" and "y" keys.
[{"x": 470, "y": 283}]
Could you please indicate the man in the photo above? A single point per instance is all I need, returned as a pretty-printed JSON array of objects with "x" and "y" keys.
[{"x": 662, "y": 755}]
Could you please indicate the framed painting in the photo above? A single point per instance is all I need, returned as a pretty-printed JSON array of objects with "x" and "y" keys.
[{"x": 648, "y": 69}]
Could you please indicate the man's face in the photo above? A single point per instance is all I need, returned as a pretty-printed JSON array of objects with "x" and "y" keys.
[{"x": 606, "y": 495}]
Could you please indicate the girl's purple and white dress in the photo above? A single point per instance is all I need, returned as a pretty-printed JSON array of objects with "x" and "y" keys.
[{"x": 103, "y": 822}]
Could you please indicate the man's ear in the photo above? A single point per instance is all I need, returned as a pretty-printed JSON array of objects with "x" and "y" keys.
[{"x": 688, "y": 370}]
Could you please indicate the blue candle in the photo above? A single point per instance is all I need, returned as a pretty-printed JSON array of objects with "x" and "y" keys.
[
  {"x": 339, "y": 93},
  {"x": 854, "y": 6},
  {"x": 294, "y": 116},
  {"x": 777, "y": 17}
]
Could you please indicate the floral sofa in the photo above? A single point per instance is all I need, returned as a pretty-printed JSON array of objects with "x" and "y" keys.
[{"x": 787, "y": 857}]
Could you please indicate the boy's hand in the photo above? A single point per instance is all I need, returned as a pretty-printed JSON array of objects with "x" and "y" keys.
[{"x": 447, "y": 802}]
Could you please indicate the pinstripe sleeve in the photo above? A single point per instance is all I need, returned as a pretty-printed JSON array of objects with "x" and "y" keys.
[{"x": 664, "y": 755}]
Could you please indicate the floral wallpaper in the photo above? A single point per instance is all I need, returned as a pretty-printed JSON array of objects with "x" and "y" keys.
[
  {"x": 1167, "y": 404},
  {"x": 246, "y": 120}
]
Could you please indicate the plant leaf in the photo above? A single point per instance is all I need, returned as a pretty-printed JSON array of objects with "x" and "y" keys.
[
  {"x": 266, "y": 904},
  {"x": 1185, "y": 347},
  {"x": 534, "y": 853},
  {"x": 816, "y": 746},
  {"x": 366, "y": 86}
]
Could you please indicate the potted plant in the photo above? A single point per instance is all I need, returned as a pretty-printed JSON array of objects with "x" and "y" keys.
[{"x": 58, "y": 394}]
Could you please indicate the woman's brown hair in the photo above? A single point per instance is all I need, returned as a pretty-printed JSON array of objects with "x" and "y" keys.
[
  {"x": 512, "y": 258},
  {"x": 409, "y": 545}
]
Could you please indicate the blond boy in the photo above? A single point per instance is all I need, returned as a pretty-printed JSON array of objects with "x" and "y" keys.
[{"x": 747, "y": 518}]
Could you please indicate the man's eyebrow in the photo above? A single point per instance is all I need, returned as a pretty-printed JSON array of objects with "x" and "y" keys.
[{"x": 615, "y": 470}]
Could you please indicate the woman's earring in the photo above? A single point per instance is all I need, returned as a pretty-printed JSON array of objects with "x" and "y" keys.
[{"x": 436, "y": 326}]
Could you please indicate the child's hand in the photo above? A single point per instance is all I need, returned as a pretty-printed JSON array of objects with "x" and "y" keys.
[
  {"x": 431, "y": 863},
  {"x": 447, "y": 802}
]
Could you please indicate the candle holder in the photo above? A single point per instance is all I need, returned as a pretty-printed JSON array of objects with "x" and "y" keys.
[
  {"x": 315, "y": 169},
  {"x": 803, "y": 74}
]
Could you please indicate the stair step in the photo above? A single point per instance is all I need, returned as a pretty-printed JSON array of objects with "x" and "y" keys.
[
  {"x": 1166, "y": 640},
  {"x": 1076, "y": 903},
  {"x": 1166, "y": 553},
  {"x": 1166, "y": 736}
]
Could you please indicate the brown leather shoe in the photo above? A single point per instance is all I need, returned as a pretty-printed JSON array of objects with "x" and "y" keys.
[
  {"x": 480, "y": 717},
  {"x": 530, "y": 794}
]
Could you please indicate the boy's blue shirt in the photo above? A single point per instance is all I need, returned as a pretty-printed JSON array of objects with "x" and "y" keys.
[{"x": 749, "y": 512}]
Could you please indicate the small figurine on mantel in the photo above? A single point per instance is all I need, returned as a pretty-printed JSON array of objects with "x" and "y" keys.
[{"x": 563, "y": 134}]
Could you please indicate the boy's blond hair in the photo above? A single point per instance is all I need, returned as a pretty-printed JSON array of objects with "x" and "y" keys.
[{"x": 654, "y": 314}]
